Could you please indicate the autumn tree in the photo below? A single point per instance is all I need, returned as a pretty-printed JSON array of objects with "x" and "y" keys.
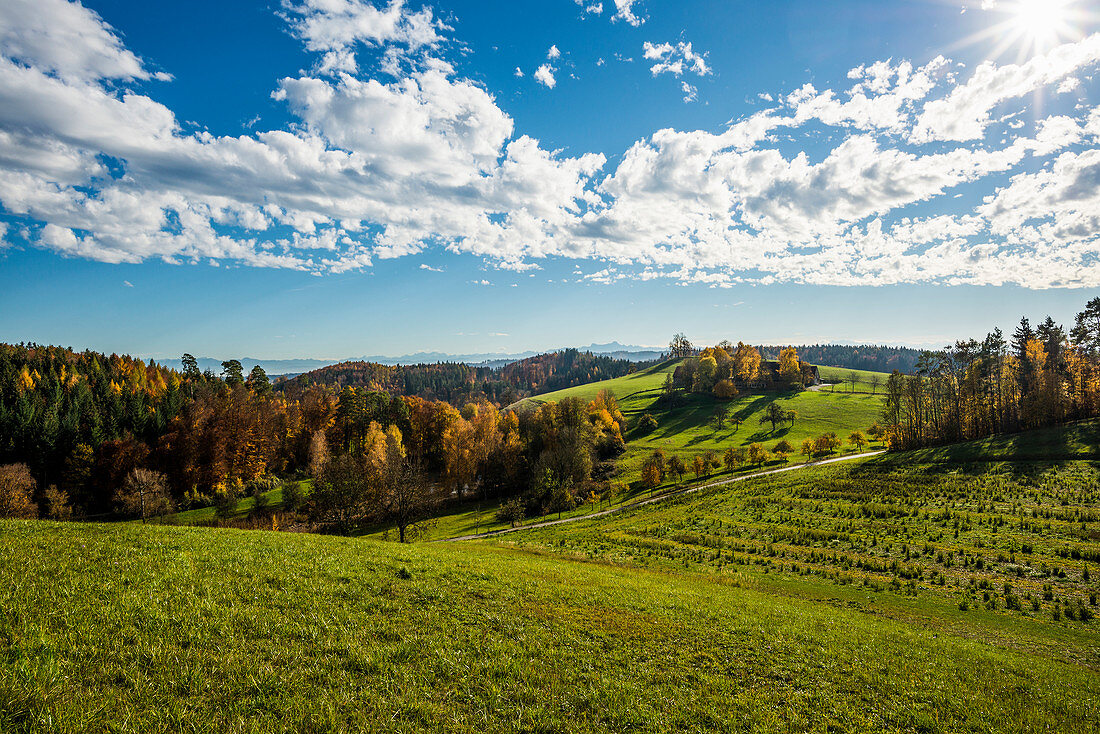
[
  {"x": 809, "y": 448},
  {"x": 790, "y": 369},
  {"x": 57, "y": 504},
  {"x": 858, "y": 440},
  {"x": 725, "y": 389},
  {"x": 826, "y": 443},
  {"x": 757, "y": 454},
  {"x": 17, "y": 487},
  {"x": 746, "y": 363},
  {"x": 318, "y": 454},
  {"x": 676, "y": 466},
  {"x": 705, "y": 374}
]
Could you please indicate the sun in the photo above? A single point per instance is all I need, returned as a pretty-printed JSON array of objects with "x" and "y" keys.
[
  {"x": 1043, "y": 23},
  {"x": 1026, "y": 28}
]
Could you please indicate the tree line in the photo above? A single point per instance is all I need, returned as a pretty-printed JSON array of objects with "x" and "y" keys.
[
  {"x": 459, "y": 383},
  {"x": 869, "y": 357},
  {"x": 89, "y": 435},
  {"x": 725, "y": 370},
  {"x": 1040, "y": 376}
]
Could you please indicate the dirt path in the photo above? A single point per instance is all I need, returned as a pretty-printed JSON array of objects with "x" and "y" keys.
[{"x": 658, "y": 498}]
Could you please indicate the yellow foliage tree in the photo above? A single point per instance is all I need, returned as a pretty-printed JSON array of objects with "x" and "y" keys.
[
  {"x": 789, "y": 368},
  {"x": 746, "y": 363}
]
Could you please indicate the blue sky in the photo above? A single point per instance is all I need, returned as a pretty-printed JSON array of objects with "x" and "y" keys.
[{"x": 330, "y": 178}]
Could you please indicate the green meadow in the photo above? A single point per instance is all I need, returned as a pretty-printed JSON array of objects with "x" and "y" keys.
[
  {"x": 130, "y": 628},
  {"x": 688, "y": 427}
]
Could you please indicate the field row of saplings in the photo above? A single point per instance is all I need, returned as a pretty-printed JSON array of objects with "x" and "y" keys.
[{"x": 1020, "y": 543}]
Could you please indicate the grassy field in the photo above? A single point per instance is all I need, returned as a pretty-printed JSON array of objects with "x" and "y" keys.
[
  {"x": 872, "y": 382},
  {"x": 124, "y": 628},
  {"x": 205, "y": 515},
  {"x": 1074, "y": 441},
  {"x": 1015, "y": 547},
  {"x": 647, "y": 381}
]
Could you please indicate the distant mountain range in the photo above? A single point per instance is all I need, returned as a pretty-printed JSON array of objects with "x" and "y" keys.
[{"x": 275, "y": 367}]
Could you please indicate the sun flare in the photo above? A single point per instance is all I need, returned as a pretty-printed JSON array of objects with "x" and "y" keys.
[{"x": 1043, "y": 22}]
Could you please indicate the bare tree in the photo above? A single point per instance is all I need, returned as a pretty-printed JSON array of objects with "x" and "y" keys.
[
  {"x": 680, "y": 346},
  {"x": 407, "y": 501},
  {"x": 144, "y": 493}
]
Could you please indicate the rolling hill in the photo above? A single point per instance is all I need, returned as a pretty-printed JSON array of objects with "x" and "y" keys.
[{"x": 687, "y": 427}]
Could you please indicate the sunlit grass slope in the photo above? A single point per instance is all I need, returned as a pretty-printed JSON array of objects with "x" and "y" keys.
[
  {"x": 687, "y": 428},
  {"x": 648, "y": 380},
  {"x": 872, "y": 382},
  {"x": 127, "y": 628}
]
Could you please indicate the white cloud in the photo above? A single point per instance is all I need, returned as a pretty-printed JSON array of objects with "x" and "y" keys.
[
  {"x": 545, "y": 75},
  {"x": 128, "y": 284},
  {"x": 337, "y": 25},
  {"x": 518, "y": 73},
  {"x": 425, "y": 266},
  {"x": 1069, "y": 84},
  {"x": 66, "y": 39},
  {"x": 553, "y": 53},
  {"x": 624, "y": 11},
  {"x": 964, "y": 114},
  {"x": 676, "y": 59},
  {"x": 428, "y": 160},
  {"x": 690, "y": 93}
]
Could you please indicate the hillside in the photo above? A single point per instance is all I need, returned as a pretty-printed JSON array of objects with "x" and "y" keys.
[
  {"x": 687, "y": 427},
  {"x": 458, "y": 382},
  {"x": 136, "y": 629}
]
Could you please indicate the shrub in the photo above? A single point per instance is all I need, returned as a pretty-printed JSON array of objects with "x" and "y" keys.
[
  {"x": 647, "y": 423},
  {"x": 226, "y": 498},
  {"x": 57, "y": 504},
  {"x": 293, "y": 496}
]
